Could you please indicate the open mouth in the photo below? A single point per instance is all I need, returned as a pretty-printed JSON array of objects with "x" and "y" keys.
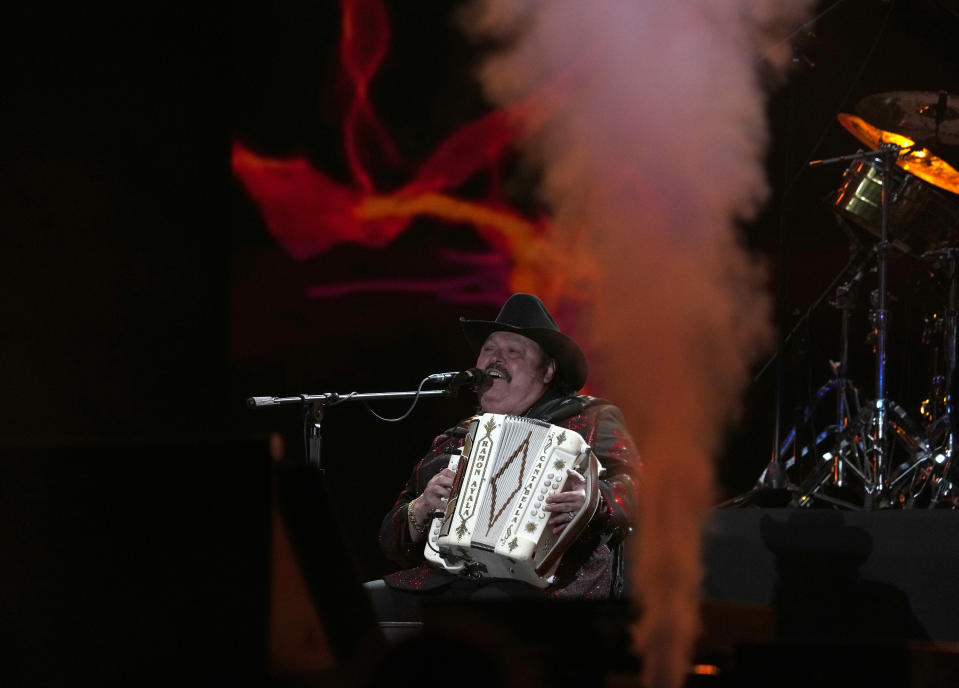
[{"x": 497, "y": 373}]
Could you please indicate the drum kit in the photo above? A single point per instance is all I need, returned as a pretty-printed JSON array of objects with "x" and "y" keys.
[{"x": 900, "y": 195}]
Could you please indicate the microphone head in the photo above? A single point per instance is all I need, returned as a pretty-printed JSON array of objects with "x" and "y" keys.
[{"x": 472, "y": 378}]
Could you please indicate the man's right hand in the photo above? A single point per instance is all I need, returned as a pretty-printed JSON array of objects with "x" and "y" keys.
[{"x": 434, "y": 496}]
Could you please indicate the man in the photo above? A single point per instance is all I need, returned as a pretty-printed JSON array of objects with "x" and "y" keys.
[{"x": 532, "y": 369}]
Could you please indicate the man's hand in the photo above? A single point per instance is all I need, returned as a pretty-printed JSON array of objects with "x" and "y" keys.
[
  {"x": 564, "y": 505},
  {"x": 434, "y": 496}
]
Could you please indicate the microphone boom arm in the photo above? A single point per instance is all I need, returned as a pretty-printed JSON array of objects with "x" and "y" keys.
[
  {"x": 331, "y": 398},
  {"x": 314, "y": 405}
]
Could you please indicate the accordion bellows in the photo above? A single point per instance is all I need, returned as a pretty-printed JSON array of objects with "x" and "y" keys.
[{"x": 494, "y": 525}]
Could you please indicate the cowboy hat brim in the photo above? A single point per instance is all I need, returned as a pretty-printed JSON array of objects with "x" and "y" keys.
[{"x": 570, "y": 360}]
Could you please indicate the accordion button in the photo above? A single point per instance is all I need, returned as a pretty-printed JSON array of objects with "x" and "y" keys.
[{"x": 549, "y": 476}]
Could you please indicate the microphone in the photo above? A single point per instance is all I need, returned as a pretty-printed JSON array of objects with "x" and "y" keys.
[{"x": 472, "y": 378}]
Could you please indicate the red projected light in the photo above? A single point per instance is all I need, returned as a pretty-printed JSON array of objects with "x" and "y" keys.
[{"x": 308, "y": 212}]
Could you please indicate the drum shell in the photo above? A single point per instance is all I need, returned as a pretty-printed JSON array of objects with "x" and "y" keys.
[{"x": 922, "y": 217}]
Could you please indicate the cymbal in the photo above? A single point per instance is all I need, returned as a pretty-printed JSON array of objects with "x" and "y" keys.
[
  {"x": 915, "y": 114},
  {"x": 914, "y": 159}
]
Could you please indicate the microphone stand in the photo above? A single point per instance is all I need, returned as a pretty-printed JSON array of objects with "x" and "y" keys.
[
  {"x": 305, "y": 504},
  {"x": 314, "y": 409}
]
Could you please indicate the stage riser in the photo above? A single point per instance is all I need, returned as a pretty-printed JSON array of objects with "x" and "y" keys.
[{"x": 830, "y": 574}]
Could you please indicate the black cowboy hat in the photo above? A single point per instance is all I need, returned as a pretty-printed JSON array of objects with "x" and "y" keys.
[{"x": 526, "y": 315}]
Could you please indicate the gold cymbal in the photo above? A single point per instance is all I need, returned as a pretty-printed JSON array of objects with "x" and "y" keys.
[
  {"x": 930, "y": 119},
  {"x": 913, "y": 159}
]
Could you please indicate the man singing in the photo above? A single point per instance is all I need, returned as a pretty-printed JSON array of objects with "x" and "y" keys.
[{"x": 531, "y": 369}]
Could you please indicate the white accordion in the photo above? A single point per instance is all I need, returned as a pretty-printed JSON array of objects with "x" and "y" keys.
[{"x": 494, "y": 525}]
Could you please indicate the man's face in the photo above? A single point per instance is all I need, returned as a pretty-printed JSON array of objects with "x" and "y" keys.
[{"x": 517, "y": 375}]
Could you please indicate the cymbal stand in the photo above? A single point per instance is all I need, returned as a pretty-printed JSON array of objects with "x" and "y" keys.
[
  {"x": 774, "y": 484},
  {"x": 951, "y": 315},
  {"x": 876, "y": 461},
  {"x": 832, "y": 466},
  {"x": 871, "y": 431},
  {"x": 847, "y": 392},
  {"x": 946, "y": 486},
  {"x": 935, "y": 463}
]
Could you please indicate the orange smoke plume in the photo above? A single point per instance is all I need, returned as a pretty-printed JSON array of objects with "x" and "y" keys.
[{"x": 657, "y": 152}]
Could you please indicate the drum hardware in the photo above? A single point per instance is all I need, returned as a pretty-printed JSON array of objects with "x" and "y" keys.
[
  {"x": 923, "y": 216},
  {"x": 873, "y": 433},
  {"x": 868, "y": 446},
  {"x": 932, "y": 480},
  {"x": 913, "y": 157},
  {"x": 920, "y": 459},
  {"x": 775, "y": 486},
  {"x": 848, "y": 453},
  {"x": 835, "y": 460},
  {"x": 928, "y": 117},
  {"x": 876, "y": 447}
]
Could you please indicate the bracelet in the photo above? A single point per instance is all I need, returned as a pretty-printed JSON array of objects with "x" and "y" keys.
[{"x": 412, "y": 519}]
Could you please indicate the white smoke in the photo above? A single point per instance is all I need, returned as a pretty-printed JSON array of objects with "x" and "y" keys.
[{"x": 653, "y": 152}]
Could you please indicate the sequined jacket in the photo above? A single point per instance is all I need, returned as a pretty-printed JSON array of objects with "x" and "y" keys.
[{"x": 593, "y": 566}]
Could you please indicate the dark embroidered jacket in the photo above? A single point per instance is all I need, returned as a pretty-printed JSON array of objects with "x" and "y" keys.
[{"x": 592, "y": 567}]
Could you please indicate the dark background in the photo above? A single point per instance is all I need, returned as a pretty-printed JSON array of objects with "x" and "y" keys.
[{"x": 143, "y": 299}]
